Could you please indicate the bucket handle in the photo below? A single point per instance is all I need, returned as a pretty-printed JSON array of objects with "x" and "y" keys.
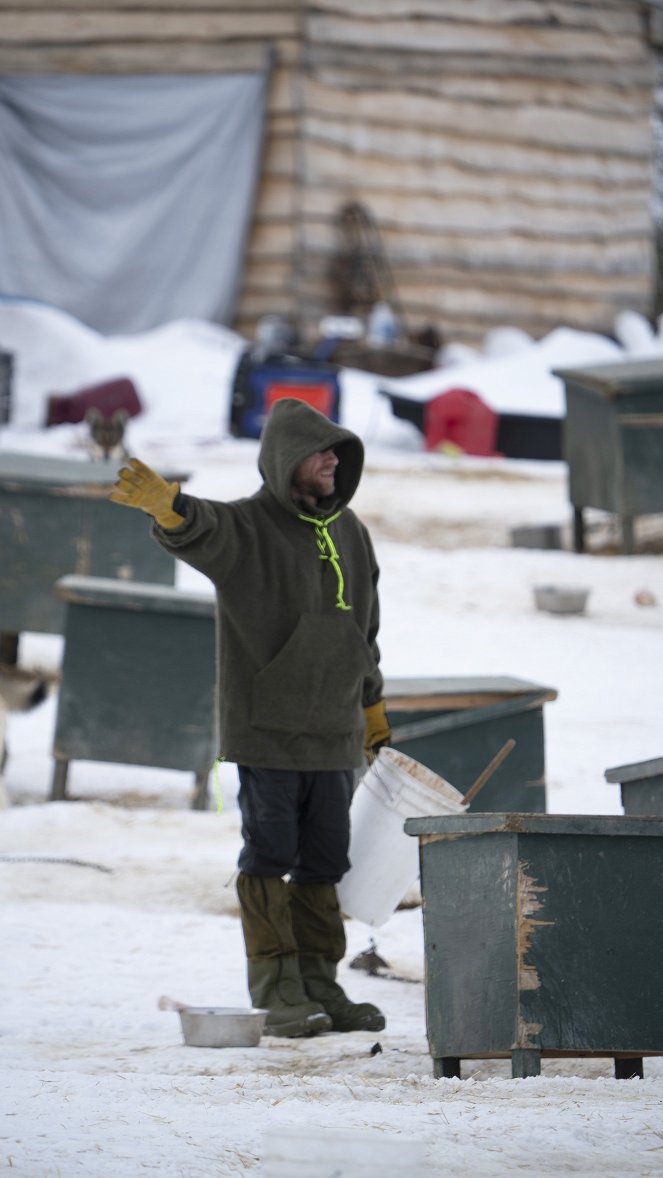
[{"x": 488, "y": 771}]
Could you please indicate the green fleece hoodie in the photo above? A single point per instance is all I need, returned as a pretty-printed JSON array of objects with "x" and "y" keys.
[{"x": 297, "y": 604}]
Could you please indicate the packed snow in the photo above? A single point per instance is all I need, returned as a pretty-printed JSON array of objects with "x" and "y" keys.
[{"x": 123, "y": 893}]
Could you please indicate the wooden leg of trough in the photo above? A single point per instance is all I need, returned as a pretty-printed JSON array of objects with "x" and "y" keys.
[
  {"x": 525, "y": 1062},
  {"x": 9, "y": 649},
  {"x": 629, "y": 1068},
  {"x": 199, "y": 800},
  {"x": 446, "y": 1067},
  {"x": 628, "y": 535},
  {"x": 578, "y": 530},
  {"x": 59, "y": 783}
]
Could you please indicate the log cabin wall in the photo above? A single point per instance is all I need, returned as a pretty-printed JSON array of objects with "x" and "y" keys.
[{"x": 502, "y": 146}]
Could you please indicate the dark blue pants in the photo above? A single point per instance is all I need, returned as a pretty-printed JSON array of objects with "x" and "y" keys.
[{"x": 295, "y": 823}]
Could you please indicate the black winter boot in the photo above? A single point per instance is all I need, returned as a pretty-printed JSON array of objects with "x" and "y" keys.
[
  {"x": 275, "y": 985},
  {"x": 319, "y": 978},
  {"x": 318, "y": 927}
]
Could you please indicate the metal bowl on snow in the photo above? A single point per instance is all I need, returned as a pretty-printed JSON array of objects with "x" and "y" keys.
[
  {"x": 222, "y": 1026},
  {"x": 560, "y": 599}
]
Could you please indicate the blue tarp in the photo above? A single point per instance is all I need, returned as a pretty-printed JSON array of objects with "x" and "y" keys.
[{"x": 126, "y": 201}]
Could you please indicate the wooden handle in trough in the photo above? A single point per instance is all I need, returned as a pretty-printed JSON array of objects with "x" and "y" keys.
[{"x": 488, "y": 771}]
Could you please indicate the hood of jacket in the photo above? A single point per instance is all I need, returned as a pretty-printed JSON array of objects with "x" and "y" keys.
[{"x": 293, "y": 431}]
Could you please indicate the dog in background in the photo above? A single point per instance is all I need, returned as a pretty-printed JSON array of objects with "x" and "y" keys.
[
  {"x": 21, "y": 689},
  {"x": 105, "y": 440}
]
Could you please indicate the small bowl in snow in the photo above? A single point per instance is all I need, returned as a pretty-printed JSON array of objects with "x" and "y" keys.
[
  {"x": 222, "y": 1026},
  {"x": 560, "y": 599}
]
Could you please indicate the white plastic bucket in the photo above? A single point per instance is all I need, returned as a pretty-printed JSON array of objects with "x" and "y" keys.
[{"x": 385, "y": 860}]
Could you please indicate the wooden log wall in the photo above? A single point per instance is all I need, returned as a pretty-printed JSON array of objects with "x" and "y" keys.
[{"x": 502, "y": 146}]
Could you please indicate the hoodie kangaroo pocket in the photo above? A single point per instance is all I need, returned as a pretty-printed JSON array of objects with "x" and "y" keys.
[{"x": 314, "y": 683}]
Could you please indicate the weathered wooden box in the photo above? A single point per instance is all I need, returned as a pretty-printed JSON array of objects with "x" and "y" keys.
[
  {"x": 55, "y": 519},
  {"x": 138, "y": 679},
  {"x": 456, "y": 725},
  {"x": 613, "y": 441},
  {"x": 641, "y": 786},
  {"x": 542, "y": 938}
]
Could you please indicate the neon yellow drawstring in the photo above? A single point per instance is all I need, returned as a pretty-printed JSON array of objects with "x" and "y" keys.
[
  {"x": 328, "y": 551},
  {"x": 217, "y": 785}
]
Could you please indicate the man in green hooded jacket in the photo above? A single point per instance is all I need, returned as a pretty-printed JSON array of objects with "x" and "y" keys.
[{"x": 299, "y": 694}]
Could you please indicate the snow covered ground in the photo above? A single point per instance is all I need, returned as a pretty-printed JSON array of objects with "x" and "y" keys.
[{"x": 124, "y": 894}]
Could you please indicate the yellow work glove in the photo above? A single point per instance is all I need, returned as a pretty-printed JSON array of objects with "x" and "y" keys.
[
  {"x": 139, "y": 486},
  {"x": 378, "y": 732}
]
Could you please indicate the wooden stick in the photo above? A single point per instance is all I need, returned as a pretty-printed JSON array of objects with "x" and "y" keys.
[{"x": 488, "y": 771}]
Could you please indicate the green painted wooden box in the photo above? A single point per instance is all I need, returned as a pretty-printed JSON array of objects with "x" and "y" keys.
[
  {"x": 641, "y": 786},
  {"x": 138, "y": 679},
  {"x": 613, "y": 441},
  {"x": 55, "y": 519},
  {"x": 542, "y": 938},
  {"x": 456, "y": 725}
]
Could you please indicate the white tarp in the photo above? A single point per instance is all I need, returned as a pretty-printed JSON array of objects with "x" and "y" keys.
[{"x": 126, "y": 200}]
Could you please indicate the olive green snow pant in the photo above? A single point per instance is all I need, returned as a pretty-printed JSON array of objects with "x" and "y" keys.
[{"x": 279, "y": 917}]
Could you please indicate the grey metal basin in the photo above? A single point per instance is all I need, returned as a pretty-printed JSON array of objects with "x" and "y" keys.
[
  {"x": 222, "y": 1026},
  {"x": 561, "y": 599}
]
